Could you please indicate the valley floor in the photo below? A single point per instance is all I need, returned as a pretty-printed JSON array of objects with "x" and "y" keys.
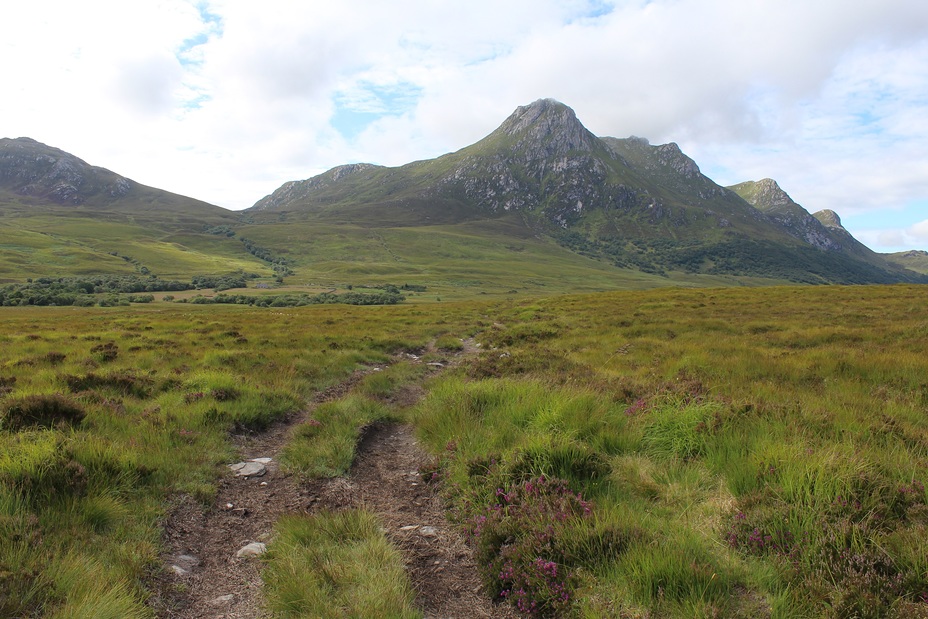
[{"x": 663, "y": 454}]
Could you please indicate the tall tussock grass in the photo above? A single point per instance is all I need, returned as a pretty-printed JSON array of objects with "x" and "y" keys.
[
  {"x": 669, "y": 453},
  {"x": 335, "y": 564},
  {"x": 105, "y": 413},
  {"x": 760, "y": 452}
]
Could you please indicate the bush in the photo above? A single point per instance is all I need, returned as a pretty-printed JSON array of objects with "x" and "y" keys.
[
  {"x": 141, "y": 298},
  {"x": 519, "y": 546},
  {"x": 105, "y": 352}
]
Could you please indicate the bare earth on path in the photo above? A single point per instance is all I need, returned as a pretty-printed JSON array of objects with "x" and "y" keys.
[{"x": 203, "y": 577}]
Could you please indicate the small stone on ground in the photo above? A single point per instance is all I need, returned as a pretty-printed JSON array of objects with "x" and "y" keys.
[{"x": 251, "y": 550}]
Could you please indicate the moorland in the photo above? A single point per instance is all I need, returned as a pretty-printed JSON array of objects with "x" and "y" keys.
[
  {"x": 674, "y": 453},
  {"x": 630, "y": 399}
]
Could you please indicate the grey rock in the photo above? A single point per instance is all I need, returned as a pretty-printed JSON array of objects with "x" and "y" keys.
[
  {"x": 248, "y": 469},
  {"x": 253, "y": 549}
]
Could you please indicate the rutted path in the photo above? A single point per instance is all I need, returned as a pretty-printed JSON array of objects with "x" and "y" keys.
[
  {"x": 441, "y": 567},
  {"x": 205, "y": 579}
]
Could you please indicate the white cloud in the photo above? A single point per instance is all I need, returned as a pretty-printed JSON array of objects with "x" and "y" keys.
[
  {"x": 920, "y": 232},
  {"x": 895, "y": 239},
  {"x": 226, "y": 99}
]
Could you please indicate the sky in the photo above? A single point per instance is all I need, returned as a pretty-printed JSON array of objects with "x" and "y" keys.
[{"x": 225, "y": 100}]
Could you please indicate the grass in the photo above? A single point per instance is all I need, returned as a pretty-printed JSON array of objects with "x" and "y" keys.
[
  {"x": 719, "y": 452},
  {"x": 108, "y": 412},
  {"x": 324, "y": 445},
  {"x": 335, "y": 565},
  {"x": 762, "y": 455}
]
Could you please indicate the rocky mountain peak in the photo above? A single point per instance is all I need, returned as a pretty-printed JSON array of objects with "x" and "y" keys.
[
  {"x": 769, "y": 198},
  {"x": 31, "y": 168},
  {"x": 766, "y": 195},
  {"x": 671, "y": 155},
  {"x": 549, "y": 124},
  {"x": 828, "y": 218}
]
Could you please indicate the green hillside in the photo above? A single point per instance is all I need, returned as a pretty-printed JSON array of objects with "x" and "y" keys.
[
  {"x": 913, "y": 260},
  {"x": 623, "y": 202},
  {"x": 540, "y": 205}
]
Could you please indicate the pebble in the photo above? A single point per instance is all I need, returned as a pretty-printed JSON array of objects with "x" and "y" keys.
[
  {"x": 222, "y": 599},
  {"x": 184, "y": 564},
  {"x": 428, "y": 532},
  {"x": 251, "y": 550},
  {"x": 262, "y": 460},
  {"x": 409, "y": 527}
]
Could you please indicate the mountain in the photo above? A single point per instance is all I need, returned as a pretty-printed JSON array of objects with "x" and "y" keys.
[
  {"x": 623, "y": 201},
  {"x": 61, "y": 216},
  {"x": 766, "y": 196},
  {"x": 36, "y": 177},
  {"x": 540, "y": 205}
]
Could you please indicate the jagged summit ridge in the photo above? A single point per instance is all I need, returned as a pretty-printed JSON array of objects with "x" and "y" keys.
[{"x": 769, "y": 198}]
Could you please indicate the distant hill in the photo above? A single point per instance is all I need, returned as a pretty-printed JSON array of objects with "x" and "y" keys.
[
  {"x": 623, "y": 201},
  {"x": 914, "y": 260},
  {"x": 36, "y": 177}
]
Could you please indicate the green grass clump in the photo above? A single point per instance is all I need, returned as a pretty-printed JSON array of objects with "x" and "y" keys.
[
  {"x": 335, "y": 565},
  {"x": 679, "y": 429},
  {"x": 324, "y": 445},
  {"x": 388, "y": 382}
]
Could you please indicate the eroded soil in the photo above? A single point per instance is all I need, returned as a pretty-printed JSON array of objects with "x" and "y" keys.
[{"x": 203, "y": 577}]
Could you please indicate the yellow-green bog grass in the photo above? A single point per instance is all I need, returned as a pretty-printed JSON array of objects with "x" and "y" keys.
[{"x": 718, "y": 452}]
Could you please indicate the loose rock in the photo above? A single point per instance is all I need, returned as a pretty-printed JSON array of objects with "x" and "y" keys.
[
  {"x": 251, "y": 550},
  {"x": 248, "y": 469}
]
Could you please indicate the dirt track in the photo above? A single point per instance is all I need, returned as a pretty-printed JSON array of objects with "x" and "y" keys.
[{"x": 212, "y": 582}]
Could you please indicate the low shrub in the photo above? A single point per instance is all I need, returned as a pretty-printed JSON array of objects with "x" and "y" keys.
[
  {"x": 126, "y": 383},
  {"x": 41, "y": 411},
  {"x": 105, "y": 352},
  {"x": 518, "y": 544}
]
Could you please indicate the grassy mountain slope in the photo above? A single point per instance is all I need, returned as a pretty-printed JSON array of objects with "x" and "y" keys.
[
  {"x": 61, "y": 216},
  {"x": 624, "y": 202},
  {"x": 914, "y": 260},
  {"x": 498, "y": 256}
]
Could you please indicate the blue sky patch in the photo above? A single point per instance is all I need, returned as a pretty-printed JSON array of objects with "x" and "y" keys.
[{"x": 356, "y": 109}]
